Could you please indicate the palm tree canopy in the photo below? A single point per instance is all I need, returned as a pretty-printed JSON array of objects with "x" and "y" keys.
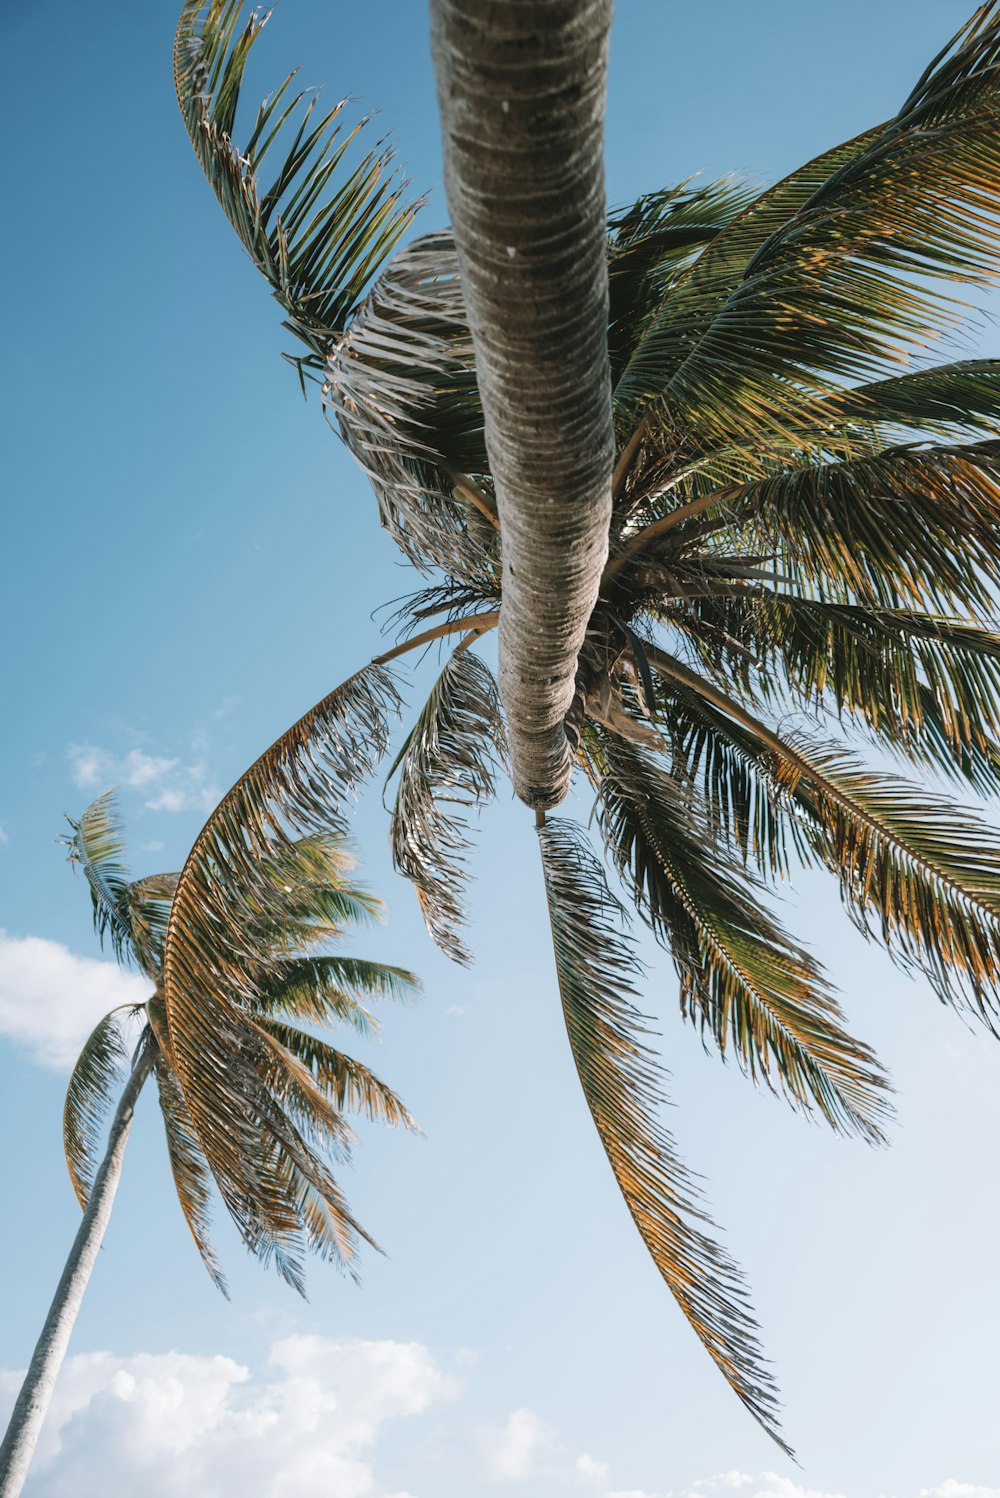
[
  {"x": 803, "y": 557},
  {"x": 280, "y": 1109}
]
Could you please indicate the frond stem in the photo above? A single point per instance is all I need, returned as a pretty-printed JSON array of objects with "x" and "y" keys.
[
  {"x": 478, "y": 624},
  {"x": 660, "y": 527},
  {"x": 470, "y": 490}
]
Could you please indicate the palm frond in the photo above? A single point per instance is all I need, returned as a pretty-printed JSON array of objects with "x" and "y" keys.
[
  {"x": 320, "y": 227},
  {"x": 402, "y": 387},
  {"x": 448, "y": 760},
  {"x": 97, "y": 847},
  {"x": 651, "y": 241},
  {"x": 700, "y": 295},
  {"x": 597, "y": 968},
  {"x": 351, "y": 1086},
  {"x": 916, "y": 870},
  {"x": 742, "y": 979},
  {"x": 189, "y": 1168},
  {"x": 844, "y": 285},
  {"x": 910, "y": 527},
  {"x": 945, "y": 400},
  {"x": 330, "y": 989},
  {"x": 213, "y": 969},
  {"x": 906, "y": 527},
  {"x": 923, "y": 686},
  {"x": 95, "y": 1078},
  {"x": 149, "y": 902}
]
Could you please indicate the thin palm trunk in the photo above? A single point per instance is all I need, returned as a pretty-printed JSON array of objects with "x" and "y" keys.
[
  {"x": 36, "y": 1391},
  {"x": 521, "y": 92}
]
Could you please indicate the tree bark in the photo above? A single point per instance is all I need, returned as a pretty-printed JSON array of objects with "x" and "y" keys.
[
  {"x": 36, "y": 1391},
  {"x": 521, "y": 87}
]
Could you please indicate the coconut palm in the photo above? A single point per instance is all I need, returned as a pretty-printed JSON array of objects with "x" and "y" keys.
[
  {"x": 803, "y": 557},
  {"x": 281, "y": 1115}
]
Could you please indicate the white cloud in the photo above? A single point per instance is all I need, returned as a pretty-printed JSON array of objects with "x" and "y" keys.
[
  {"x": 172, "y": 1424},
  {"x": 312, "y": 1423},
  {"x": 513, "y": 1451},
  {"x": 589, "y": 1470},
  {"x": 952, "y": 1489},
  {"x": 3, "y": 834},
  {"x": 50, "y": 999},
  {"x": 770, "y": 1485},
  {"x": 170, "y": 785}
]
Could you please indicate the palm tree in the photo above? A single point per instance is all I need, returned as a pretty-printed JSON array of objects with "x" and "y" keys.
[
  {"x": 282, "y": 1118},
  {"x": 803, "y": 557}
]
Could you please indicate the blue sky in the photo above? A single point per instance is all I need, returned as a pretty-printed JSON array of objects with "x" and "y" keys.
[{"x": 192, "y": 561}]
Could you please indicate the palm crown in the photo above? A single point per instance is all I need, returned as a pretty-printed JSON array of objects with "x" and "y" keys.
[
  {"x": 282, "y": 1112},
  {"x": 805, "y": 532}
]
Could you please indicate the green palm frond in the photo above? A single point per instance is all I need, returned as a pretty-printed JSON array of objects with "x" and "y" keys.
[
  {"x": 844, "y": 285},
  {"x": 651, "y": 241},
  {"x": 701, "y": 293},
  {"x": 919, "y": 870},
  {"x": 916, "y": 870},
  {"x": 904, "y": 527},
  {"x": 597, "y": 969},
  {"x": 97, "y": 847},
  {"x": 447, "y": 761},
  {"x": 212, "y": 970},
  {"x": 923, "y": 685},
  {"x": 742, "y": 979},
  {"x": 908, "y": 527},
  {"x": 309, "y": 897},
  {"x": 319, "y": 227},
  {"x": 95, "y": 1078},
  {"x": 944, "y": 400}
]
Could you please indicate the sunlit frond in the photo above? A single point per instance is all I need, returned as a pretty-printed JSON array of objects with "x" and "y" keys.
[
  {"x": 192, "y": 1177},
  {"x": 351, "y": 1086},
  {"x": 923, "y": 685},
  {"x": 327, "y": 990},
  {"x": 916, "y": 870},
  {"x": 213, "y": 969},
  {"x": 597, "y": 970},
  {"x": 649, "y": 244},
  {"x": 843, "y": 285}
]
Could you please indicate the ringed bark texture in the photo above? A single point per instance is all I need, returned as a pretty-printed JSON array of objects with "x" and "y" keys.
[{"x": 521, "y": 89}]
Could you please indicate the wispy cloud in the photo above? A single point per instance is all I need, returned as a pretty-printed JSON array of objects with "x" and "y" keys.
[
  {"x": 50, "y": 999},
  {"x": 171, "y": 784},
  {"x": 3, "y": 834}
]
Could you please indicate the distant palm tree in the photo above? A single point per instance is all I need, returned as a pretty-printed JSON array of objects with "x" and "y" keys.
[
  {"x": 804, "y": 555},
  {"x": 280, "y": 1117}
]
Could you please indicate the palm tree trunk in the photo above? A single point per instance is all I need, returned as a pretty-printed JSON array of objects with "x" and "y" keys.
[
  {"x": 36, "y": 1391},
  {"x": 521, "y": 92}
]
